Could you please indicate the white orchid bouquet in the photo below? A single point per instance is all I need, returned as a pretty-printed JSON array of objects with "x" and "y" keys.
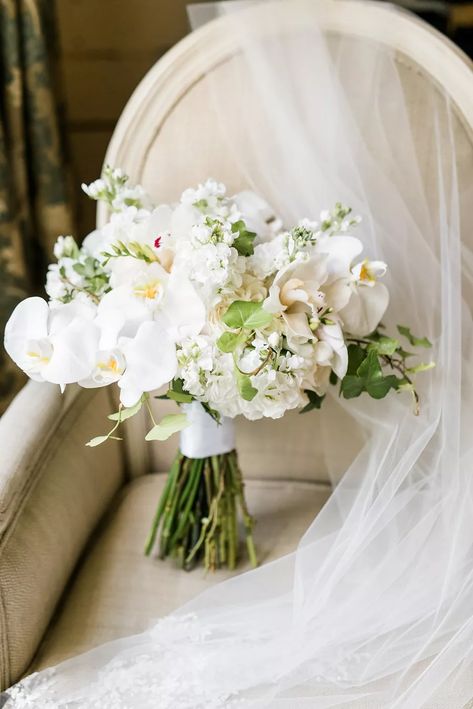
[{"x": 234, "y": 314}]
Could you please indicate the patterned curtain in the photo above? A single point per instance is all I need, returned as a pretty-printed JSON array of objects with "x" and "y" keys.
[{"x": 34, "y": 205}]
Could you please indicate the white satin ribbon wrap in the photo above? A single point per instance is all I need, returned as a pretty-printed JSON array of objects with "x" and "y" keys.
[{"x": 205, "y": 437}]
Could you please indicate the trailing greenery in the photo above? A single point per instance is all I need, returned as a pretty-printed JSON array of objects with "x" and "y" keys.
[{"x": 378, "y": 364}]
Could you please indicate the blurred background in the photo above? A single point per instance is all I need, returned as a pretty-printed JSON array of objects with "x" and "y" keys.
[{"x": 67, "y": 68}]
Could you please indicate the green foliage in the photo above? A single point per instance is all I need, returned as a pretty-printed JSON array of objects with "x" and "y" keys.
[
  {"x": 369, "y": 377},
  {"x": 247, "y": 315},
  {"x": 244, "y": 241},
  {"x": 178, "y": 393},
  {"x": 315, "y": 401},
  {"x": 413, "y": 340},
  {"x": 245, "y": 387},
  {"x": 134, "y": 249},
  {"x": 170, "y": 424},
  {"x": 371, "y": 356},
  {"x": 229, "y": 341},
  {"x": 126, "y": 413}
]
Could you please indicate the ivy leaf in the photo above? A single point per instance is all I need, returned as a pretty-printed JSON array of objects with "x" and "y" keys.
[
  {"x": 178, "y": 393},
  {"x": 245, "y": 387},
  {"x": 244, "y": 242},
  {"x": 413, "y": 340},
  {"x": 384, "y": 345},
  {"x": 126, "y": 413},
  {"x": 351, "y": 386},
  {"x": 369, "y": 378},
  {"x": 315, "y": 401},
  {"x": 229, "y": 341},
  {"x": 246, "y": 314},
  {"x": 170, "y": 424},
  {"x": 356, "y": 355},
  {"x": 373, "y": 379}
]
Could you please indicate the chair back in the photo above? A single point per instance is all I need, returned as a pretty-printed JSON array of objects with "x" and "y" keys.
[{"x": 172, "y": 107}]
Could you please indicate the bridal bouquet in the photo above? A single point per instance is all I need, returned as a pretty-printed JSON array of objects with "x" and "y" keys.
[{"x": 229, "y": 310}]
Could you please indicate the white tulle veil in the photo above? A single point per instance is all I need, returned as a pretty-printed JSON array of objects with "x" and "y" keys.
[{"x": 375, "y": 607}]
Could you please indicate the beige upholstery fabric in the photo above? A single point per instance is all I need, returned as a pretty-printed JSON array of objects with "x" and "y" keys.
[
  {"x": 53, "y": 491},
  {"x": 117, "y": 591}
]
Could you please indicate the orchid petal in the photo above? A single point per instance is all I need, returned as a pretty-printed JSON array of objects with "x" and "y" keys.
[
  {"x": 365, "y": 309},
  {"x": 74, "y": 350},
  {"x": 29, "y": 321},
  {"x": 150, "y": 362}
]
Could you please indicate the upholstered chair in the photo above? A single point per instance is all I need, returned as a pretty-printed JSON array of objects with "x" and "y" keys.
[{"x": 73, "y": 520}]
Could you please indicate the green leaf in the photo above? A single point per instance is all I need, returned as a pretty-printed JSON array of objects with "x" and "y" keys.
[
  {"x": 384, "y": 345},
  {"x": 351, "y": 386},
  {"x": 79, "y": 268},
  {"x": 369, "y": 377},
  {"x": 96, "y": 441},
  {"x": 356, "y": 355},
  {"x": 245, "y": 387},
  {"x": 170, "y": 424},
  {"x": 379, "y": 387},
  {"x": 244, "y": 242},
  {"x": 315, "y": 401},
  {"x": 413, "y": 340},
  {"x": 246, "y": 314},
  {"x": 229, "y": 341},
  {"x": 126, "y": 413},
  {"x": 422, "y": 367},
  {"x": 211, "y": 412},
  {"x": 333, "y": 379},
  {"x": 178, "y": 393}
]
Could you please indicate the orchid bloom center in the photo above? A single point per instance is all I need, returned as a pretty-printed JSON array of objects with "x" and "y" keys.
[
  {"x": 366, "y": 274},
  {"x": 39, "y": 353},
  {"x": 157, "y": 242},
  {"x": 110, "y": 366},
  {"x": 150, "y": 290}
]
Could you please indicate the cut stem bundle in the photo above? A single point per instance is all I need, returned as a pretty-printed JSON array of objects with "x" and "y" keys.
[{"x": 197, "y": 514}]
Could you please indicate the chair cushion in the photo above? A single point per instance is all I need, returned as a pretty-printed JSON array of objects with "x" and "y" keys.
[{"x": 117, "y": 591}]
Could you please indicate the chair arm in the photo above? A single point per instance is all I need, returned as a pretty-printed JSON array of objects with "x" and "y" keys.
[{"x": 53, "y": 491}]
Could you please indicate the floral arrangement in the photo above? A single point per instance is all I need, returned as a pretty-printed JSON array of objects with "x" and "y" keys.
[{"x": 218, "y": 302}]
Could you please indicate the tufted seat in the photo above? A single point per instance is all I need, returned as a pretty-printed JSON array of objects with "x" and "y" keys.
[{"x": 116, "y": 591}]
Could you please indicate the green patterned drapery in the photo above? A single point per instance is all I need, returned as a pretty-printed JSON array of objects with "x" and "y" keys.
[{"x": 34, "y": 206}]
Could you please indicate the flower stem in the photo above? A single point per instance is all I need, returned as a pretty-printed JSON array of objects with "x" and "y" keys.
[{"x": 197, "y": 516}]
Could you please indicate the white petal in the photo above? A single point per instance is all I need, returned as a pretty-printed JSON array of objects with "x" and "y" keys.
[
  {"x": 182, "y": 313},
  {"x": 29, "y": 321},
  {"x": 74, "y": 350},
  {"x": 183, "y": 219},
  {"x": 297, "y": 325},
  {"x": 341, "y": 250},
  {"x": 365, "y": 309},
  {"x": 150, "y": 361}
]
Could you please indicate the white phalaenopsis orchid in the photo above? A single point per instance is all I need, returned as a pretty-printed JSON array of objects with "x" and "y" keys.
[{"x": 56, "y": 345}]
